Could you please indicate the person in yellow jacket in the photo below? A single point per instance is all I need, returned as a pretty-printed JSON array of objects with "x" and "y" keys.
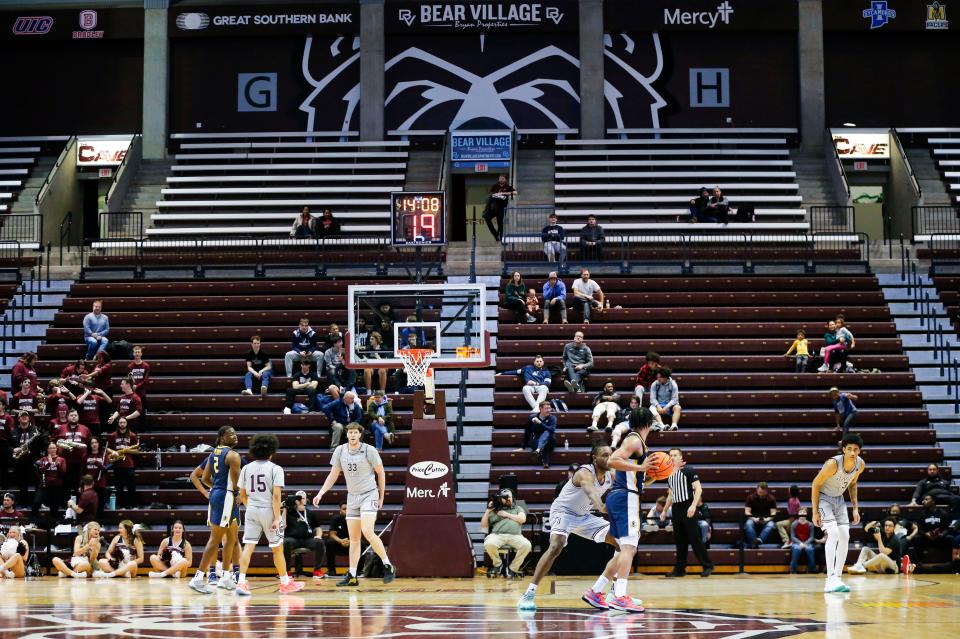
[{"x": 800, "y": 345}]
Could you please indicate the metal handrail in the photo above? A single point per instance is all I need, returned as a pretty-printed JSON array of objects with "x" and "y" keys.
[
  {"x": 906, "y": 161},
  {"x": 841, "y": 172},
  {"x": 121, "y": 170},
  {"x": 65, "y": 224},
  {"x": 441, "y": 179},
  {"x": 56, "y": 167}
]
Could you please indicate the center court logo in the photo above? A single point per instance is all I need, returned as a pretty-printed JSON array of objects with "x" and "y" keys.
[
  {"x": 429, "y": 470},
  {"x": 879, "y": 13}
]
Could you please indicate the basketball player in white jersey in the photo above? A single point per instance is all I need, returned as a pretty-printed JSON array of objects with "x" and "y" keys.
[
  {"x": 261, "y": 482},
  {"x": 838, "y": 475},
  {"x": 366, "y": 487},
  {"x": 570, "y": 513}
]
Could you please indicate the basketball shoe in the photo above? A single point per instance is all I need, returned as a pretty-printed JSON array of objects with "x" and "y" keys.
[
  {"x": 596, "y": 599},
  {"x": 625, "y": 603},
  {"x": 527, "y": 601},
  {"x": 291, "y": 587},
  {"x": 243, "y": 589}
]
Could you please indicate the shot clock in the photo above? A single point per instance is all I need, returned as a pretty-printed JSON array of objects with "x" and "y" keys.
[{"x": 417, "y": 218}]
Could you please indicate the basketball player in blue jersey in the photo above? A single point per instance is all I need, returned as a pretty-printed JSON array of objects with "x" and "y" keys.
[
  {"x": 838, "y": 475},
  {"x": 629, "y": 463},
  {"x": 223, "y": 512},
  {"x": 215, "y": 570}
]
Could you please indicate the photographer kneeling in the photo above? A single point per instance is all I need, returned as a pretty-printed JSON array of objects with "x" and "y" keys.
[
  {"x": 504, "y": 518},
  {"x": 886, "y": 557}
]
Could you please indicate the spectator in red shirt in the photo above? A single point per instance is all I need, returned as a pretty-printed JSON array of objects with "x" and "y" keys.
[
  {"x": 759, "y": 509},
  {"x": 75, "y": 452},
  {"x": 139, "y": 371},
  {"x": 87, "y": 501},
  {"x": 26, "y": 398},
  {"x": 128, "y": 405},
  {"x": 102, "y": 373},
  {"x": 89, "y": 402},
  {"x": 24, "y": 369},
  {"x": 73, "y": 374},
  {"x": 6, "y": 450},
  {"x": 96, "y": 467},
  {"x": 647, "y": 375},
  {"x": 60, "y": 412},
  {"x": 26, "y": 442},
  {"x": 53, "y": 470},
  {"x": 9, "y": 515},
  {"x": 58, "y": 395},
  {"x": 122, "y": 445}
]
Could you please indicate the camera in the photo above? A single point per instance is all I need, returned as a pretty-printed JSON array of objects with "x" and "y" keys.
[{"x": 873, "y": 528}]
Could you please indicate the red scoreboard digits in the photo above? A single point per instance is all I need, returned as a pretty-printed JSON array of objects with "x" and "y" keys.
[{"x": 417, "y": 218}]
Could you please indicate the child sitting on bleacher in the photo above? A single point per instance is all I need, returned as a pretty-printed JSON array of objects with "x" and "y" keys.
[
  {"x": 532, "y": 302},
  {"x": 800, "y": 345}
]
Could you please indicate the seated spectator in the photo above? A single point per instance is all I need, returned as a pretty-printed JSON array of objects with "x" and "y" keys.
[
  {"x": 554, "y": 241},
  {"x": 533, "y": 303},
  {"x": 554, "y": 298},
  {"x": 303, "y": 345},
  {"x": 303, "y": 531},
  {"x": 121, "y": 446},
  {"x": 333, "y": 335},
  {"x": 14, "y": 554},
  {"x": 259, "y": 368},
  {"x": 24, "y": 369},
  {"x": 760, "y": 509},
  {"x": 372, "y": 350},
  {"x": 647, "y": 374},
  {"x": 504, "y": 519},
  {"x": 607, "y": 402},
  {"x": 96, "y": 327},
  {"x": 937, "y": 487},
  {"x": 886, "y": 553},
  {"x": 844, "y": 410},
  {"x": 338, "y": 374},
  {"x": 705, "y": 521},
  {"x": 793, "y": 507},
  {"x": 577, "y": 361},
  {"x": 124, "y": 556},
  {"x": 87, "y": 503},
  {"x": 340, "y": 412},
  {"x": 326, "y": 226},
  {"x": 304, "y": 226},
  {"x": 933, "y": 524},
  {"x": 514, "y": 299},
  {"x": 623, "y": 422},
  {"x": 718, "y": 206},
  {"x": 906, "y": 528},
  {"x": 380, "y": 419},
  {"x": 665, "y": 399},
  {"x": 139, "y": 372},
  {"x": 174, "y": 556},
  {"x": 52, "y": 469},
  {"x": 587, "y": 295},
  {"x": 86, "y": 549},
  {"x": 801, "y": 543},
  {"x": 128, "y": 405},
  {"x": 658, "y": 517},
  {"x": 540, "y": 434},
  {"x": 306, "y": 383},
  {"x": 591, "y": 240},
  {"x": 89, "y": 402},
  {"x": 536, "y": 383},
  {"x": 842, "y": 342},
  {"x": 9, "y": 515},
  {"x": 846, "y": 338},
  {"x": 699, "y": 211},
  {"x": 801, "y": 347}
]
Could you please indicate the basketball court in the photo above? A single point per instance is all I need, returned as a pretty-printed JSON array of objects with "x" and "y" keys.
[{"x": 722, "y": 606}]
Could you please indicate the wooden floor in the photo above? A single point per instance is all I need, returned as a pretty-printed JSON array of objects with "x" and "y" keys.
[{"x": 721, "y": 607}]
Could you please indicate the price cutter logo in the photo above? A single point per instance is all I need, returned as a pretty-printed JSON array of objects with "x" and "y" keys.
[{"x": 429, "y": 470}]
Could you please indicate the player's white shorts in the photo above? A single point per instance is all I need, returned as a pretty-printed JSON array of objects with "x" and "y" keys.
[
  {"x": 589, "y": 526},
  {"x": 363, "y": 504},
  {"x": 257, "y": 522},
  {"x": 833, "y": 509}
]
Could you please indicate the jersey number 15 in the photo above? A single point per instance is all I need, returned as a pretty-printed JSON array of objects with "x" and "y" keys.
[{"x": 258, "y": 484}]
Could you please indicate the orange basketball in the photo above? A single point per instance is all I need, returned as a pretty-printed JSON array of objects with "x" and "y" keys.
[{"x": 662, "y": 465}]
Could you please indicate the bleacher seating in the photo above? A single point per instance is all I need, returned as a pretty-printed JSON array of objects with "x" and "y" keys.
[
  {"x": 644, "y": 182},
  {"x": 196, "y": 351},
  {"x": 18, "y": 156},
  {"x": 234, "y": 184},
  {"x": 747, "y": 417}
]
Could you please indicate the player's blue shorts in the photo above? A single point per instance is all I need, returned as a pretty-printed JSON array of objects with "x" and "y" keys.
[
  {"x": 224, "y": 509},
  {"x": 623, "y": 509}
]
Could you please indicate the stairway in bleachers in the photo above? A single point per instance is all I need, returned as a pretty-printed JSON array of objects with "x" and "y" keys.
[
  {"x": 747, "y": 416},
  {"x": 25, "y": 162},
  {"x": 645, "y": 182},
  {"x": 943, "y": 145},
  {"x": 256, "y": 183}
]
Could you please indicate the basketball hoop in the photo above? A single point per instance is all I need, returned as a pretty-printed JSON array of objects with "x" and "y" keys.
[{"x": 416, "y": 363}]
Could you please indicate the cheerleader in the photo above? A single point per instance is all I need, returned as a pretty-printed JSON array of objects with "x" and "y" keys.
[
  {"x": 124, "y": 555},
  {"x": 174, "y": 557},
  {"x": 14, "y": 553},
  {"x": 86, "y": 549}
]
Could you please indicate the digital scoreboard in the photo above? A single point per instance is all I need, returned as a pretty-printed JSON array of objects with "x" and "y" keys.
[{"x": 417, "y": 218}]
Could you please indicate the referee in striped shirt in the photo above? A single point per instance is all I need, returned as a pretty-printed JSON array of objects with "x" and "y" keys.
[{"x": 684, "y": 495}]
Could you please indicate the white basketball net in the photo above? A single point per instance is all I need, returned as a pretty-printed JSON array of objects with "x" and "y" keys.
[{"x": 416, "y": 363}]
